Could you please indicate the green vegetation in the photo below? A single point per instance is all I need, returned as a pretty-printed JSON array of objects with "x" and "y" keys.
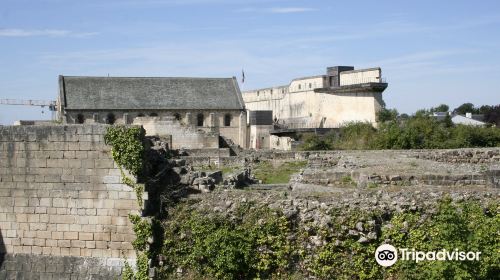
[
  {"x": 417, "y": 132},
  {"x": 256, "y": 244},
  {"x": 127, "y": 147},
  {"x": 347, "y": 180},
  {"x": 127, "y": 150},
  {"x": 277, "y": 174},
  {"x": 226, "y": 169},
  {"x": 253, "y": 246}
]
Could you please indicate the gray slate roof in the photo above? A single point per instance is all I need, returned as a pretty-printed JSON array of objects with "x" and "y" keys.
[{"x": 113, "y": 93}]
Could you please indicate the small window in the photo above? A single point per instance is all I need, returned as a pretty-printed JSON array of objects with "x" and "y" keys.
[
  {"x": 200, "y": 119},
  {"x": 110, "y": 118},
  {"x": 80, "y": 118},
  {"x": 153, "y": 115},
  {"x": 310, "y": 85},
  {"x": 177, "y": 116},
  {"x": 271, "y": 91},
  {"x": 300, "y": 86},
  {"x": 141, "y": 115},
  {"x": 227, "y": 120},
  {"x": 258, "y": 93}
]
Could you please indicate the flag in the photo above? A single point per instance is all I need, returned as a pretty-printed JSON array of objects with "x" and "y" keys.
[{"x": 242, "y": 76}]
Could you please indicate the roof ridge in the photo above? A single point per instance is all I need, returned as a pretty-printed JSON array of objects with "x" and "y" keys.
[{"x": 148, "y": 77}]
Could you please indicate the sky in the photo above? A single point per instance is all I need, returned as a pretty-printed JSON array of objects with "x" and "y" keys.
[{"x": 430, "y": 52}]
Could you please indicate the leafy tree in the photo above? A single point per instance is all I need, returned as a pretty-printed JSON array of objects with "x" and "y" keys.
[
  {"x": 440, "y": 108},
  {"x": 491, "y": 114},
  {"x": 466, "y": 108},
  {"x": 385, "y": 115}
]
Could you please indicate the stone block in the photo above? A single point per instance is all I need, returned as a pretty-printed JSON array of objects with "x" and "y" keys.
[
  {"x": 59, "y": 202},
  {"x": 61, "y": 163},
  {"x": 57, "y": 235},
  {"x": 44, "y": 235},
  {"x": 62, "y": 227},
  {"x": 63, "y": 219},
  {"x": 111, "y": 179},
  {"x": 74, "y": 252},
  {"x": 71, "y": 235},
  {"x": 77, "y": 244},
  {"x": 86, "y": 236},
  {"x": 90, "y": 244},
  {"x": 75, "y": 227},
  {"x": 104, "y": 163},
  {"x": 64, "y": 243},
  {"x": 51, "y": 243},
  {"x": 46, "y": 202},
  {"x": 126, "y": 204}
]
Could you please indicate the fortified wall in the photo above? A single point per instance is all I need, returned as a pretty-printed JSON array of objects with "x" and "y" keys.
[
  {"x": 325, "y": 101},
  {"x": 63, "y": 209}
]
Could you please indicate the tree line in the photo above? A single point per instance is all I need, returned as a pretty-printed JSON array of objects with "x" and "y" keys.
[{"x": 418, "y": 131}]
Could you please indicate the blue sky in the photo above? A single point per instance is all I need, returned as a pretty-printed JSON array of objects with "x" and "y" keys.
[{"x": 431, "y": 52}]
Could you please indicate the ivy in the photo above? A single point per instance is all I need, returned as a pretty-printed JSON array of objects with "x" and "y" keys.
[
  {"x": 142, "y": 273},
  {"x": 143, "y": 230},
  {"x": 260, "y": 243},
  {"x": 127, "y": 147},
  {"x": 253, "y": 247},
  {"x": 128, "y": 152}
]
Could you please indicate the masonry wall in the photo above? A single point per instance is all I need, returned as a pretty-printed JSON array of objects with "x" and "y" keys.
[
  {"x": 61, "y": 200},
  {"x": 313, "y": 109}
]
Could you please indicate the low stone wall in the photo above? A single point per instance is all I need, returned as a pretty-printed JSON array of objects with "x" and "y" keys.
[
  {"x": 213, "y": 152},
  {"x": 61, "y": 196},
  {"x": 483, "y": 155},
  {"x": 328, "y": 177},
  {"x": 29, "y": 266}
]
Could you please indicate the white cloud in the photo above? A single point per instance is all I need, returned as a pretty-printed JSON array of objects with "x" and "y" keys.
[
  {"x": 278, "y": 10},
  {"x": 15, "y": 32},
  {"x": 289, "y": 10}
]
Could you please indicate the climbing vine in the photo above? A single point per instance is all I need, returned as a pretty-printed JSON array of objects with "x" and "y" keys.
[
  {"x": 127, "y": 147},
  {"x": 128, "y": 152},
  {"x": 261, "y": 243}
]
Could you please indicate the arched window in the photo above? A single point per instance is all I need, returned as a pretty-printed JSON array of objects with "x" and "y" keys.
[
  {"x": 177, "y": 116},
  {"x": 153, "y": 115},
  {"x": 110, "y": 118},
  {"x": 80, "y": 118},
  {"x": 200, "y": 120},
  {"x": 227, "y": 120}
]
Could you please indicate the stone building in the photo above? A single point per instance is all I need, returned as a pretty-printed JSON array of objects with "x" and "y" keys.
[
  {"x": 340, "y": 96},
  {"x": 193, "y": 105}
]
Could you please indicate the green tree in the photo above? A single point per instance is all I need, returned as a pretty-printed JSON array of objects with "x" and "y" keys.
[
  {"x": 466, "y": 108},
  {"x": 440, "y": 108},
  {"x": 385, "y": 115}
]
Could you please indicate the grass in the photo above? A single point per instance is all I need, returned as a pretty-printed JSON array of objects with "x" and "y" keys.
[
  {"x": 278, "y": 173},
  {"x": 347, "y": 180},
  {"x": 226, "y": 169}
]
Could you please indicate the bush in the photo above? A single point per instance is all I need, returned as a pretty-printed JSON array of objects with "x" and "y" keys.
[
  {"x": 253, "y": 246},
  {"x": 418, "y": 132},
  {"x": 255, "y": 243}
]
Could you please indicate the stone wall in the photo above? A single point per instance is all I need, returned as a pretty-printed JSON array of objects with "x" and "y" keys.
[
  {"x": 183, "y": 136},
  {"x": 461, "y": 155},
  {"x": 61, "y": 196}
]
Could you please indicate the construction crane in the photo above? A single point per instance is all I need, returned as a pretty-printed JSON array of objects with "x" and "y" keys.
[{"x": 52, "y": 105}]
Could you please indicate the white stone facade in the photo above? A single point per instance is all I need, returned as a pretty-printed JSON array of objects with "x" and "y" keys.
[{"x": 311, "y": 102}]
